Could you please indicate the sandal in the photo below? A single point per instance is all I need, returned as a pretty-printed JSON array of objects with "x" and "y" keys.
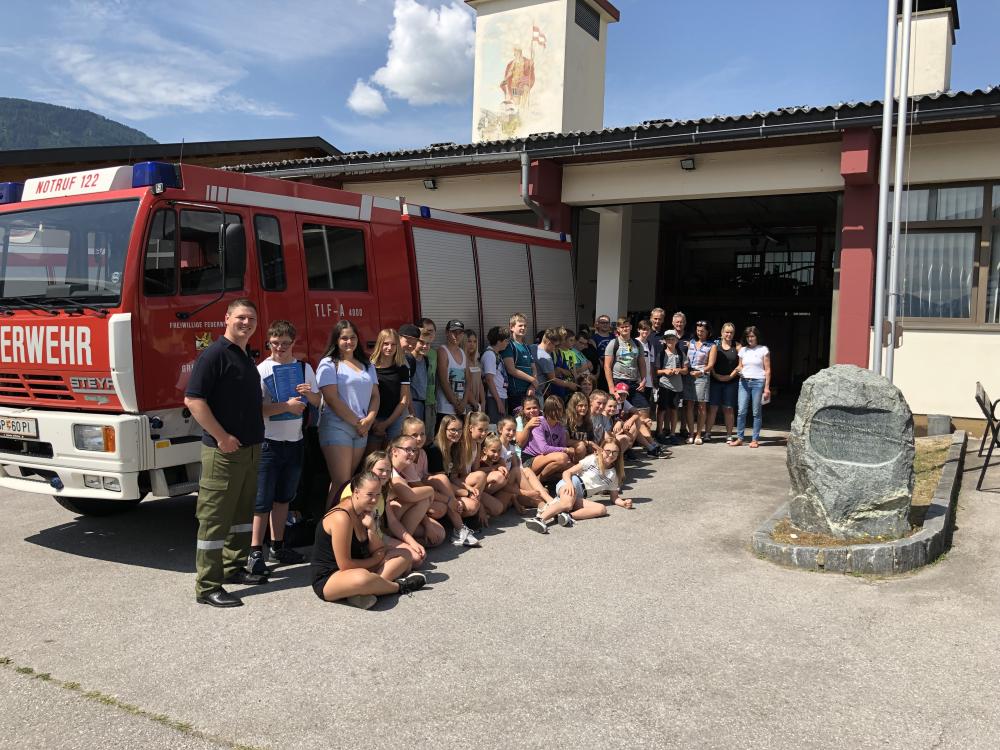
[
  {"x": 697, "y": 441},
  {"x": 754, "y": 444},
  {"x": 735, "y": 443}
]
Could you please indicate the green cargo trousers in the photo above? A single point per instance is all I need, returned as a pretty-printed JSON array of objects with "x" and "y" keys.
[{"x": 224, "y": 510}]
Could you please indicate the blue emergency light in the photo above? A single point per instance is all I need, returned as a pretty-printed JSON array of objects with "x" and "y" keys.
[
  {"x": 148, "y": 173},
  {"x": 10, "y": 192},
  {"x": 425, "y": 212}
]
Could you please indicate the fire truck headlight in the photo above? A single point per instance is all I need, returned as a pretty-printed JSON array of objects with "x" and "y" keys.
[{"x": 92, "y": 437}]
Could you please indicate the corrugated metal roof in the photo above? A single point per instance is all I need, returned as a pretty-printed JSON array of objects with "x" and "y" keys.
[{"x": 803, "y": 119}]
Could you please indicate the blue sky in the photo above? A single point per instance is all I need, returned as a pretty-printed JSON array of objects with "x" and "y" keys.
[{"x": 389, "y": 74}]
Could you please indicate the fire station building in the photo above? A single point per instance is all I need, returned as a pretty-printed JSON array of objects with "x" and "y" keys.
[{"x": 767, "y": 218}]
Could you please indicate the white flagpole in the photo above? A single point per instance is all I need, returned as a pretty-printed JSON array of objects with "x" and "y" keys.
[
  {"x": 883, "y": 191},
  {"x": 897, "y": 184}
]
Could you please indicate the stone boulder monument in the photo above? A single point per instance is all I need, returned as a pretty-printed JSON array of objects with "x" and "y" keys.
[{"x": 850, "y": 456}]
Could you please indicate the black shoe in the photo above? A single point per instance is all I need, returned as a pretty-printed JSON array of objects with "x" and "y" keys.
[
  {"x": 411, "y": 582},
  {"x": 249, "y": 579},
  {"x": 285, "y": 556},
  {"x": 219, "y": 598},
  {"x": 255, "y": 563}
]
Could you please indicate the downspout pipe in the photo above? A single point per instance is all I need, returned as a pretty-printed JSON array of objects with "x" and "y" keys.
[{"x": 539, "y": 211}]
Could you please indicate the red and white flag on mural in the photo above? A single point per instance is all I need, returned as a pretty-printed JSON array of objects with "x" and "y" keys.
[{"x": 537, "y": 37}]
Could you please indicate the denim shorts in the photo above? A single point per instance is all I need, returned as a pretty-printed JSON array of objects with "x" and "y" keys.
[
  {"x": 335, "y": 431},
  {"x": 278, "y": 473},
  {"x": 724, "y": 393},
  {"x": 578, "y": 486}
]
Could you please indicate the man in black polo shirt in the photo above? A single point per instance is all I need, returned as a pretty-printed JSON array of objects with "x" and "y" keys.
[{"x": 224, "y": 397}]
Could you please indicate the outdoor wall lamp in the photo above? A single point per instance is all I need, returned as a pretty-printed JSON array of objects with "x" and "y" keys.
[
  {"x": 687, "y": 164},
  {"x": 431, "y": 184}
]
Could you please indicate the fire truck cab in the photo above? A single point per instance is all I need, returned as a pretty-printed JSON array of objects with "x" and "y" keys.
[{"x": 113, "y": 280}]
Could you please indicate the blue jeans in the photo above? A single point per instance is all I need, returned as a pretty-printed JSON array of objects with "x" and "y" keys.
[
  {"x": 278, "y": 473},
  {"x": 751, "y": 392}
]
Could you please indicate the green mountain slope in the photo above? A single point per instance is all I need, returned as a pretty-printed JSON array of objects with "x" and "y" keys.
[{"x": 28, "y": 124}]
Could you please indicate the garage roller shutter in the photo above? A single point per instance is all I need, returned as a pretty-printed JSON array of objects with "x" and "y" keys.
[
  {"x": 506, "y": 287},
  {"x": 447, "y": 274},
  {"x": 555, "y": 298}
]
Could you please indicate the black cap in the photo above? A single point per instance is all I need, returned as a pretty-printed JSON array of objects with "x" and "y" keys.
[
  {"x": 455, "y": 325},
  {"x": 409, "y": 330}
]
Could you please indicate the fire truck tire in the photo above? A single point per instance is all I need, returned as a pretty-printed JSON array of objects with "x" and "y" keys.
[{"x": 90, "y": 507}]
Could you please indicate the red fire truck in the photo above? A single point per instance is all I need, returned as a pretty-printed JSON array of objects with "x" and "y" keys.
[{"x": 112, "y": 280}]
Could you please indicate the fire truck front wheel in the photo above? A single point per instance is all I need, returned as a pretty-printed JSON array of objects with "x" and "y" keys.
[{"x": 91, "y": 507}]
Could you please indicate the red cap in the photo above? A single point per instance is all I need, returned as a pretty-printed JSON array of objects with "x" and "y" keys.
[{"x": 621, "y": 386}]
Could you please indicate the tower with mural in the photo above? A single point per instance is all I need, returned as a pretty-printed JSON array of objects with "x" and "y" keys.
[{"x": 539, "y": 66}]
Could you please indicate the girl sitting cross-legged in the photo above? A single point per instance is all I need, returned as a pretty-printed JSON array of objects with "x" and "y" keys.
[
  {"x": 350, "y": 562},
  {"x": 600, "y": 473},
  {"x": 412, "y": 501}
]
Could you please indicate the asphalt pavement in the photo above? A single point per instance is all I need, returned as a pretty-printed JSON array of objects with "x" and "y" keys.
[{"x": 655, "y": 627}]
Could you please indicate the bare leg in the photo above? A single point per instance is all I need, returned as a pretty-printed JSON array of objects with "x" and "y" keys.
[
  {"x": 339, "y": 460},
  {"x": 589, "y": 510}
]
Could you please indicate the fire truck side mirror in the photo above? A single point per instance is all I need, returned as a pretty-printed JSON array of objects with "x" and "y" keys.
[{"x": 234, "y": 250}]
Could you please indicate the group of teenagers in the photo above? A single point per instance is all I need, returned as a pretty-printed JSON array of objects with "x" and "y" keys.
[
  {"x": 421, "y": 440},
  {"x": 422, "y": 444}
]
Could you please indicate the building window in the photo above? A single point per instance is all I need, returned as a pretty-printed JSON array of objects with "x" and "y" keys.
[
  {"x": 272, "y": 260},
  {"x": 942, "y": 204},
  {"x": 588, "y": 19},
  {"x": 936, "y": 275},
  {"x": 335, "y": 258},
  {"x": 993, "y": 287},
  {"x": 949, "y": 264}
]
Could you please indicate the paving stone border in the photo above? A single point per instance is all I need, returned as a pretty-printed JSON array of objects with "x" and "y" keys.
[{"x": 885, "y": 558}]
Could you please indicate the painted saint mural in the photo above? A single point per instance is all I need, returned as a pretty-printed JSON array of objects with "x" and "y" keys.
[{"x": 516, "y": 93}]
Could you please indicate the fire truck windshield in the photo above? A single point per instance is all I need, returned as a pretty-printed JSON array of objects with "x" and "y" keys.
[{"x": 65, "y": 253}]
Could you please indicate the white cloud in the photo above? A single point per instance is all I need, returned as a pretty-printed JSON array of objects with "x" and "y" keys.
[
  {"x": 118, "y": 84},
  {"x": 258, "y": 30},
  {"x": 119, "y": 66},
  {"x": 366, "y": 100},
  {"x": 430, "y": 57}
]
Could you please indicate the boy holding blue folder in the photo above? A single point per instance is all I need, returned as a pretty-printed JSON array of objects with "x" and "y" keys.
[{"x": 288, "y": 387}]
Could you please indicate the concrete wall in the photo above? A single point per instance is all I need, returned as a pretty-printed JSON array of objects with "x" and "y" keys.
[
  {"x": 958, "y": 155},
  {"x": 768, "y": 171},
  {"x": 934, "y": 382},
  {"x": 931, "y": 38},
  {"x": 583, "y": 90},
  {"x": 466, "y": 193}
]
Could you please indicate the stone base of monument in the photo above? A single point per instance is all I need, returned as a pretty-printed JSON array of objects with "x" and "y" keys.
[{"x": 923, "y": 546}]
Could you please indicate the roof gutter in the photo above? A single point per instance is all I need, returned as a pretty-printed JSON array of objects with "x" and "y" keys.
[{"x": 634, "y": 141}]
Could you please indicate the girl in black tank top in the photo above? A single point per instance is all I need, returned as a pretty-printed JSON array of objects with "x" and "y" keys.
[
  {"x": 725, "y": 379},
  {"x": 349, "y": 561}
]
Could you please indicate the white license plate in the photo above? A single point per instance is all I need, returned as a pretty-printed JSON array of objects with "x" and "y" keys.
[{"x": 18, "y": 427}]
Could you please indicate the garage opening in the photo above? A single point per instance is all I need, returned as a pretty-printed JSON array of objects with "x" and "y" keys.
[{"x": 766, "y": 261}]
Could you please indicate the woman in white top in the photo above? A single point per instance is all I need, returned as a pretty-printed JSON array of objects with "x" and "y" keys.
[
  {"x": 349, "y": 385},
  {"x": 600, "y": 473},
  {"x": 755, "y": 385},
  {"x": 452, "y": 373}
]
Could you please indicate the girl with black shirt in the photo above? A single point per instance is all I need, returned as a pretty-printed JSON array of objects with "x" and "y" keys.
[
  {"x": 393, "y": 388},
  {"x": 725, "y": 381},
  {"x": 350, "y": 562}
]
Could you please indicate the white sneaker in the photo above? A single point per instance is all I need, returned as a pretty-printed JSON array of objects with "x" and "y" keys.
[
  {"x": 565, "y": 519},
  {"x": 537, "y": 524},
  {"x": 469, "y": 539}
]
